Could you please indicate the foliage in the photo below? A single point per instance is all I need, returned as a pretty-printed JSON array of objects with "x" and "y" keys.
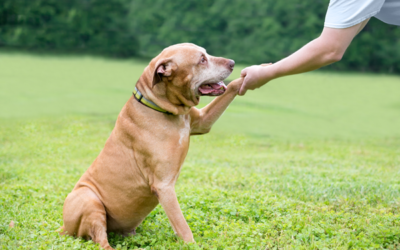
[
  {"x": 253, "y": 31},
  {"x": 76, "y": 25},
  {"x": 294, "y": 185},
  {"x": 257, "y": 31}
]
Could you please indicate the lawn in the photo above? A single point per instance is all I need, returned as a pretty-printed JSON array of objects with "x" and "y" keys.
[{"x": 306, "y": 162}]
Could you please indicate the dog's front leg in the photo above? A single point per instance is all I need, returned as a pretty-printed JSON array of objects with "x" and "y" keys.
[
  {"x": 203, "y": 119},
  {"x": 167, "y": 197}
]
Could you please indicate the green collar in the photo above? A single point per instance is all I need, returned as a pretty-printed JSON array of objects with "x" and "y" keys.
[{"x": 140, "y": 98}]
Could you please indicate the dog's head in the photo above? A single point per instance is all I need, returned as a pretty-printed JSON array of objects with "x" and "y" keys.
[{"x": 182, "y": 73}]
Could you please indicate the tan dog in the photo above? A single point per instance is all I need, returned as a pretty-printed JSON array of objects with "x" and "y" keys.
[{"x": 142, "y": 158}]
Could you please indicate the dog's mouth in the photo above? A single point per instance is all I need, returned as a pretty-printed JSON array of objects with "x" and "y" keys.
[{"x": 212, "y": 89}]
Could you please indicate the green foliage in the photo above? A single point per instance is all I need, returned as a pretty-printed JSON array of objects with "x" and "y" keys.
[
  {"x": 253, "y": 31},
  {"x": 248, "y": 31},
  {"x": 257, "y": 31},
  {"x": 374, "y": 49},
  {"x": 76, "y": 25},
  {"x": 284, "y": 168}
]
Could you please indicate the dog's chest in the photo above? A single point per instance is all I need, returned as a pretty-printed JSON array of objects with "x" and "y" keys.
[
  {"x": 164, "y": 141},
  {"x": 184, "y": 133},
  {"x": 175, "y": 132}
]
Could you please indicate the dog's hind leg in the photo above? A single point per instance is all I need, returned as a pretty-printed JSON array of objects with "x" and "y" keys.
[
  {"x": 84, "y": 216},
  {"x": 98, "y": 231}
]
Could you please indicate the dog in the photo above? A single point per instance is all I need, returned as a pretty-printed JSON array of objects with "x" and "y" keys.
[{"x": 142, "y": 158}]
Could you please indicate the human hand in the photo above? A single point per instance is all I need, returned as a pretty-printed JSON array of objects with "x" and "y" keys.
[{"x": 254, "y": 77}]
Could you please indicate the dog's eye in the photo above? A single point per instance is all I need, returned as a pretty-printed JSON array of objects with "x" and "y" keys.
[{"x": 203, "y": 60}]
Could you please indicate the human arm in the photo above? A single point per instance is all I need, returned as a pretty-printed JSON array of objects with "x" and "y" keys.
[{"x": 328, "y": 48}]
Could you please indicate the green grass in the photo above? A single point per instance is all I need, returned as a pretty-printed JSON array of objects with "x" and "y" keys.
[{"x": 306, "y": 162}]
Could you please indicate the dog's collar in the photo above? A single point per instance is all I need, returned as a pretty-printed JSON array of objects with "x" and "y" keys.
[{"x": 140, "y": 98}]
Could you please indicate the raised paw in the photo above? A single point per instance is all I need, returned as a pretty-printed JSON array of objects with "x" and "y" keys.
[{"x": 235, "y": 84}]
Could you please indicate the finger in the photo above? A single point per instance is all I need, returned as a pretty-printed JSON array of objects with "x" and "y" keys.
[
  {"x": 243, "y": 89},
  {"x": 243, "y": 73}
]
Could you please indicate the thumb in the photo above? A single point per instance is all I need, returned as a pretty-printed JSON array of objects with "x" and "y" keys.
[
  {"x": 243, "y": 89},
  {"x": 243, "y": 73}
]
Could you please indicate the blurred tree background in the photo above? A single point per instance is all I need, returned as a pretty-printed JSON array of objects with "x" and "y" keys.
[{"x": 252, "y": 31}]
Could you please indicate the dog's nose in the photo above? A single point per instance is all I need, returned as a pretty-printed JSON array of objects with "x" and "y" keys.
[{"x": 231, "y": 64}]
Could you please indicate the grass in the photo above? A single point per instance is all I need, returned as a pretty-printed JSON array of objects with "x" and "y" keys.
[{"x": 306, "y": 162}]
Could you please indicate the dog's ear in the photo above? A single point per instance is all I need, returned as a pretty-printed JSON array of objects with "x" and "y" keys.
[{"x": 164, "y": 68}]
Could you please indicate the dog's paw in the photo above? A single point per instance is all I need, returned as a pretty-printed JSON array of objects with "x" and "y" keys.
[{"x": 235, "y": 85}]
